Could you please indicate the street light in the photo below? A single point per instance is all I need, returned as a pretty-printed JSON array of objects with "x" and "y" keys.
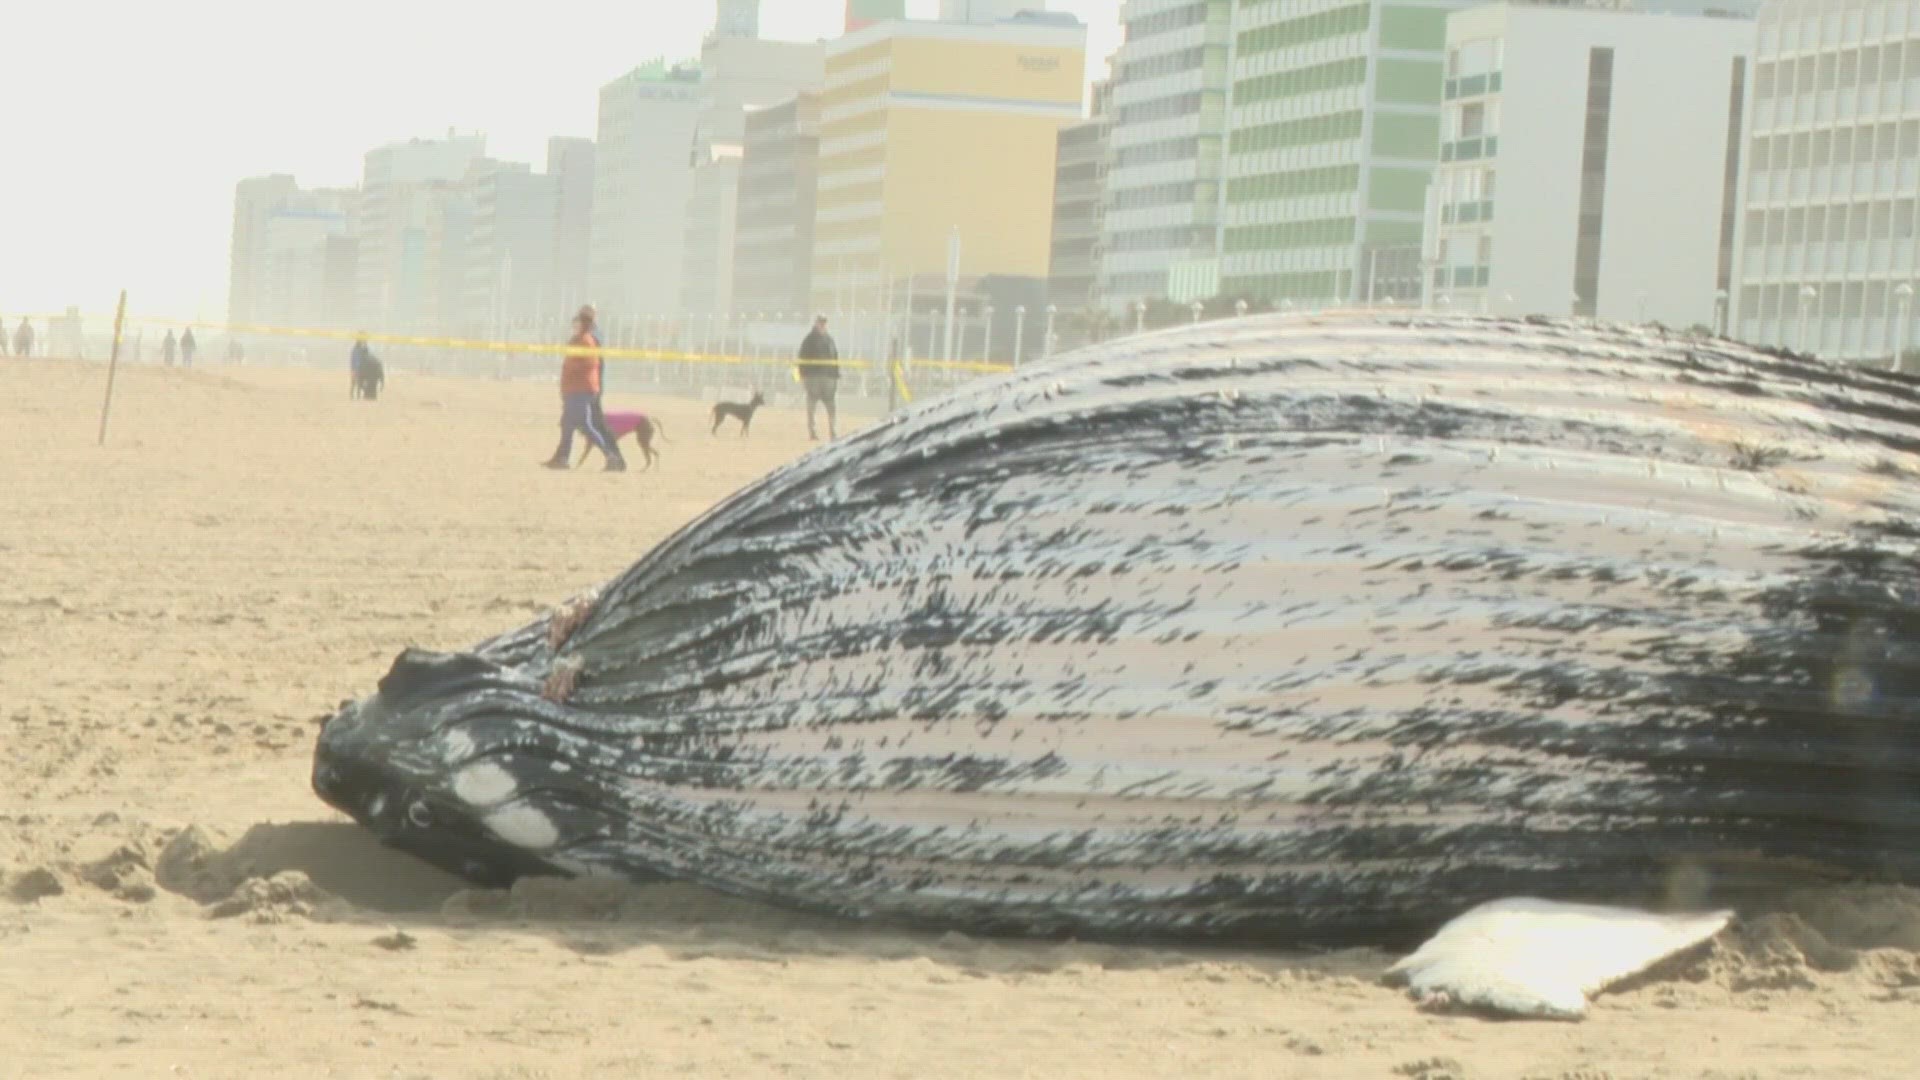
[
  {"x": 1904, "y": 291},
  {"x": 1053, "y": 312},
  {"x": 1807, "y": 292},
  {"x": 1019, "y": 333}
]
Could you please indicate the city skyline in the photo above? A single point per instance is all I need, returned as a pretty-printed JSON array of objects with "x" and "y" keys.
[{"x": 132, "y": 159}]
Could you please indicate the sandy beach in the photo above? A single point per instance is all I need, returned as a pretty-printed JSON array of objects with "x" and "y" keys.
[{"x": 179, "y": 608}]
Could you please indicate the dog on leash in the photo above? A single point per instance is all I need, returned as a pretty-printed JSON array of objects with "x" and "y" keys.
[
  {"x": 642, "y": 427},
  {"x": 725, "y": 410},
  {"x": 369, "y": 380}
]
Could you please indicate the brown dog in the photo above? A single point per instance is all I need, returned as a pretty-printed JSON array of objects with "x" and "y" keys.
[{"x": 619, "y": 424}]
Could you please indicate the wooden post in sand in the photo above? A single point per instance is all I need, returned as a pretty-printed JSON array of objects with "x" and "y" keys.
[{"x": 113, "y": 364}]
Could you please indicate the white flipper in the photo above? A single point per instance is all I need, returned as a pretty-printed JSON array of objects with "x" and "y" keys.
[{"x": 1544, "y": 958}]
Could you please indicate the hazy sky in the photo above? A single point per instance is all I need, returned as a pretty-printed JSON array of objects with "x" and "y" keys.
[{"x": 127, "y": 125}]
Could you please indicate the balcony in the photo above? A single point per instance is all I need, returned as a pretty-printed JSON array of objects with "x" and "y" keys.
[
  {"x": 1473, "y": 86},
  {"x": 1470, "y": 149}
]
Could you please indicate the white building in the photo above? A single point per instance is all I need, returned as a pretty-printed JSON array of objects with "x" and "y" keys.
[
  {"x": 773, "y": 237},
  {"x": 986, "y": 11},
  {"x": 1827, "y": 259},
  {"x": 510, "y": 261},
  {"x": 292, "y": 256},
  {"x": 736, "y": 74},
  {"x": 570, "y": 163},
  {"x": 1167, "y": 126},
  {"x": 1588, "y": 162},
  {"x": 642, "y": 180},
  {"x": 404, "y": 275},
  {"x": 254, "y": 202}
]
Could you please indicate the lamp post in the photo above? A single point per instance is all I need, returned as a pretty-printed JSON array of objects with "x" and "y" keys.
[
  {"x": 1904, "y": 291},
  {"x": 1720, "y": 312},
  {"x": 1807, "y": 292},
  {"x": 1053, "y": 312},
  {"x": 1019, "y": 333},
  {"x": 986, "y": 338},
  {"x": 1197, "y": 308}
]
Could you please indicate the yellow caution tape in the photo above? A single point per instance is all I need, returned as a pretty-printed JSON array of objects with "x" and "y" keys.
[{"x": 673, "y": 356}]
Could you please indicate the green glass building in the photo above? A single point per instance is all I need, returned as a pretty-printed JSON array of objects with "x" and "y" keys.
[{"x": 1334, "y": 134}]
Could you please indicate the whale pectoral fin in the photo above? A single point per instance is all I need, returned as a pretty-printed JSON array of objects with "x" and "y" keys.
[{"x": 1544, "y": 958}]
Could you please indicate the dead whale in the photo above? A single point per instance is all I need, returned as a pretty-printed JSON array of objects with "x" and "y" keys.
[{"x": 1289, "y": 630}]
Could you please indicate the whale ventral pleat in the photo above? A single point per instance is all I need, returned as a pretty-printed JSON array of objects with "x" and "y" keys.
[{"x": 417, "y": 672}]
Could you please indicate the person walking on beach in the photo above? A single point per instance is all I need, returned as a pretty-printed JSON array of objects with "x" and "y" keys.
[
  {"x": 592, "y": 317},
  {"x": 356, "y": 361},
  {"x": 5, "y": 348},
  {"x": 167, "y": 348},
  {"x": 820, "y": 380},
  {"x": 186, "y": 348},
  {"x": 580, "y": 396},
  {"x": 23, "y": 338}
]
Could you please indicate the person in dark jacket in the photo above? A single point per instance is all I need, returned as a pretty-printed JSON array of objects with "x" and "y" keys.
[
  {"x": 166, "y": 349},
  {"x": 186, "y": 348},
  {"x": 356, "y": 364},
  {"x": 23, "y": 338},
  {"x": 820, "y": 380}
]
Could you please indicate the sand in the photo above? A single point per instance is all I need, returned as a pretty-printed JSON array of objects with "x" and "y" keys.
[{"x": 178, "y": 609}]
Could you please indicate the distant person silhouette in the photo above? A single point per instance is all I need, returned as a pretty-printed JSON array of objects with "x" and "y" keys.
[
  {"x": 167, "y": 348},
  {"x": 5, "y": 348},
  {"x": 186, "y": 348},
  {"x": 23, "y": 338}
]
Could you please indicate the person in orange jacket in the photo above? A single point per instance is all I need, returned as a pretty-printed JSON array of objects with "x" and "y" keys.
[{"x": 580, "y": 398}]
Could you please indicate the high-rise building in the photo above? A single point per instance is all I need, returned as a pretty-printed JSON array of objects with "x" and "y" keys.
[
  {"x": 1588, "y": 162},
  {"x": 643, "y": 177},
  {"x": 1168, "y": 134},
  {"x": 773, "y": 239},
  {"x": 1335, "y": 129},
  {"x": 405, "y": 275},
  {"x": 511, "y": 259},
  {"x": 864, "y": 13},
  {"x": 736, "y": 74},
  {"x": 570, "y": 164},
  {"x": 934, "y": 130},
  {"x": 1079, "y": 191},
  {"x": 293, "y": 255},
  {"x": 737, "y": 19},
  {"x": 1826, "y": 259},
  {"x": 986, "y": 11},
  {"x": 254, "y": 202}
]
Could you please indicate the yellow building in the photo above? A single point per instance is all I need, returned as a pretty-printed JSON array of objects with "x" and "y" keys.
[{"x": 928, "y": 127}]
